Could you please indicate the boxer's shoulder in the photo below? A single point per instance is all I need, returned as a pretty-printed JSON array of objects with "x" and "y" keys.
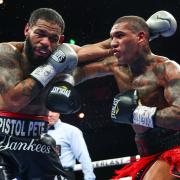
[
  {"x": 17, "y": 45},
  {"x": 11, "y": 49},
  {"x": 165, "y": 65},
  {"x": 10, "y": 57}
]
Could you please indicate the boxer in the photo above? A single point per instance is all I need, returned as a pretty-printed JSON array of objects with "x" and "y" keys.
[
  {"x": 30, "y": 70},
  {"x": 149, "y": 98}
]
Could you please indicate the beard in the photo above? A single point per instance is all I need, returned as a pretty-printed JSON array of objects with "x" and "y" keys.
[{"x": 32, "y": 58}]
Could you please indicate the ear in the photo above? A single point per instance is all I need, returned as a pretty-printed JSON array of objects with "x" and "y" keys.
[
  {"x": 26, "y": 29},
  {"x": 141, "y": 36},
  {"x": 61, "y": 39}
]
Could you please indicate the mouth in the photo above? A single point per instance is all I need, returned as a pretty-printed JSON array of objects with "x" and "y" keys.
[
  {"x": 117, "y": 53},
  {"x": 119, "y": 56},
  {"x": 42, "y": 52}
]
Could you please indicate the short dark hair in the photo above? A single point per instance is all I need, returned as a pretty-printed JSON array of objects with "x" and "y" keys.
[
  {"x": 47, "y": 14},
  {"x": 136, "y": 23}
]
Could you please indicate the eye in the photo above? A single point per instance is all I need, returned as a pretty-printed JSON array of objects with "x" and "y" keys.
[
  {"x": 40, "y": 33},
  {"x": 119, "y": 35},
  {"x": 54, "y": 39}
]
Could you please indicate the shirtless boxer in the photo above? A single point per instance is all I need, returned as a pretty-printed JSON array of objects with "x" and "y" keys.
[
  {"x": 28, "y": 70},
  {"x": 149, "y": 99}
]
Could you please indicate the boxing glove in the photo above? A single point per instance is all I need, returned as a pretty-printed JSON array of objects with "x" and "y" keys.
[
  {"x": 53, "y": 156},
  {"x": 161, "y": 23},
  {"x": 63, "y": 97},
  {"x": 48, "y": 140},
  {"x": 125, "y": 109},
  {"x": 64, "y": 59}
]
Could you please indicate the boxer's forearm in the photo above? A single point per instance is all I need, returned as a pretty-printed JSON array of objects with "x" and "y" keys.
[
  {"x": 168, "y": 118},
  {"x": 17, "y": 97},
  {"x": 91, "y": 71},
  {"x": 94, "y": 51}
]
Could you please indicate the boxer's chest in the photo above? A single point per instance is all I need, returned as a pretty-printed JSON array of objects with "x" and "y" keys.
[{"x": 150, "y": 90}]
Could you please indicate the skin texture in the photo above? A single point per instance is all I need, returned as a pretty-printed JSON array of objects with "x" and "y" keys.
[
  {"x": 156, "y": 78},
  {"x": 18, "y": 91}
]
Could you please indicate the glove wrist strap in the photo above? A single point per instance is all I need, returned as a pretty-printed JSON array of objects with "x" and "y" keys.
[
  {"x": 144, "y": 116},
  {"x": 44, "y": 74}
]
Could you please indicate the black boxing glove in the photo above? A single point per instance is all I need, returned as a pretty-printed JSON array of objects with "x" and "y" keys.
[
  {"x": 53, "y": 156},
  {"x": 63, "y": 97},
  {"x": 48, "y": 140},
  {"x": 125, "y": 109}
]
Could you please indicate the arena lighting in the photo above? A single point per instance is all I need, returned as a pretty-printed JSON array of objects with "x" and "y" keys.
[
  {"x": 1, "y": 1},
  {"x": 81, "y": 115},
  {"x": 72, "y": 41}
]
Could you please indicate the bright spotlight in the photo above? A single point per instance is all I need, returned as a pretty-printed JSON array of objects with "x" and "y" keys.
[{"x": 81, "y": 115}]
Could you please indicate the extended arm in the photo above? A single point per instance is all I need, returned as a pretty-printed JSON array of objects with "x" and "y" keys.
[
  {"x": 161, "y": 23},
  {"x": 95, "y": 51},
  {"x": 93, "y": 70}
]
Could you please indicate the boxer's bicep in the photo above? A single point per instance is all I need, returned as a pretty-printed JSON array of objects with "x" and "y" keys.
[
  {"x": 172, "y": 86},
  {"x": 10, "y": 72},
  {"x": 169, "y": 116},
  {"x": 14, "y": 91}
]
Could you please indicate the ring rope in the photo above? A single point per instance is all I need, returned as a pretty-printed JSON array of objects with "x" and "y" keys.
[{"x": 110, "y": 162}]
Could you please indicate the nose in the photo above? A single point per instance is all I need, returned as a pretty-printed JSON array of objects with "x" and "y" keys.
[
  {"x": 114, "y": 44},
  {"x": 45, "y": 41}
]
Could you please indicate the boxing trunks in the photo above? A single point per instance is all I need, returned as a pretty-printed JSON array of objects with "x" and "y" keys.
[
  {"x": 156, "y": 140},
  {"x": 26, "y": 151},
  {"x": 157, "y": 143}
]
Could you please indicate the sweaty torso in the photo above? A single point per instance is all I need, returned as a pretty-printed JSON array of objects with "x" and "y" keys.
[
  {"x": 22, "y": 68},
  {"x": 150, "y": 85}
]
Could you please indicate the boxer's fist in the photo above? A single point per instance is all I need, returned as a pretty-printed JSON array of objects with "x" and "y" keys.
[
  {"x": 126, "y": 110},
  {"x": 64, "y": 59},
  {"x": 161, "y": 23},
  {"x": 63, "y": 97}
]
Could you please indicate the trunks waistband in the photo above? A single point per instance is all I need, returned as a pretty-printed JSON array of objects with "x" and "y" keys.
[
  {"x": 22, "y": 125},
  {"x": 23, "y": 116}
]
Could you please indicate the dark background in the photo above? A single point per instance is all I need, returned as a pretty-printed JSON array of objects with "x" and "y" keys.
[{"x": 89, "y": 21}]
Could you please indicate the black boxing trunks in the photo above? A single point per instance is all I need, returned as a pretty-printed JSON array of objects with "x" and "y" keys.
[
  {"x": 26, "y": 151},
  {"x": 22, "y": 125},
  {"x": 156, "y": 140}
]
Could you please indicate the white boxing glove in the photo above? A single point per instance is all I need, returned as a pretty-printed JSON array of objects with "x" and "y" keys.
[
  {"x": 64, "y": 59},
  {"x": 161, "y": 23}
]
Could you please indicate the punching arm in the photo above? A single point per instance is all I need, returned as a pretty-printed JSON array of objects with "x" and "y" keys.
[
  {"x": 94, "y": 70},
  {"x": 91, "y": 52}
]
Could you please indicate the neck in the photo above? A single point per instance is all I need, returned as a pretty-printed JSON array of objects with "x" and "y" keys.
[{"x": 139, "y": 64}]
